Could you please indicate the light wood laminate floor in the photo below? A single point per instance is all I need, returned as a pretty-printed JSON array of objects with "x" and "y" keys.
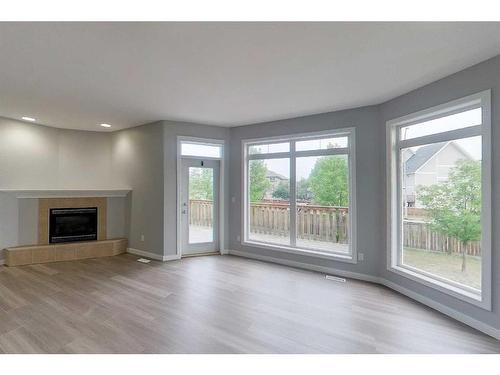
[{"x": 213, "y": 304}]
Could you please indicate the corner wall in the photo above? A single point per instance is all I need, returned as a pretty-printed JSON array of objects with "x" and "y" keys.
[
  {"x": 137, "y": 159},
  {"x": 145, "y": 159}
]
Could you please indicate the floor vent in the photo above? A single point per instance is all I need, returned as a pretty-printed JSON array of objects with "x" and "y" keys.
[
  {"x": 143, "y": 260},
  {"x": 335, "y": 278}
]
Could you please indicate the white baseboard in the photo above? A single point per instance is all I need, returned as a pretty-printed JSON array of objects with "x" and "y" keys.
[
  {"x": 480, "y": 326},
  {"x": 148, "y": 254},
  {"x": 452, "y": 313},
  {"x": 310, "y": 267}
]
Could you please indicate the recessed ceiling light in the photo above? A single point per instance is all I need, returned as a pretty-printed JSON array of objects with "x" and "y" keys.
[
  {"x": 26, "y": 118},
  {"x": 105, "y": 125}
]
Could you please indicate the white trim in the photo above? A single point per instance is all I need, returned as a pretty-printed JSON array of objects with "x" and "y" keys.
[
  {"x": 222, "y": 198},
  {"x": 148, "y": 254},
  {"x": 299, "y": 154},
  {"x": 446, "y": 109},
  {"x": 292, "y": 194},
  {"x": 292, "y": 154},
  {"x": 463, "y": 293},
  {"x": 446, "y": 136},
  {"x": 452, "y": 313},
  {"x": 307, "y": 135},
  {"x": 479, "y": 100},
  {"x": 306, "y": 266},
  {"x": 341, "y": 257},
  {"x": 67, "y": 193},
  {"x": 202, "y": 141}
]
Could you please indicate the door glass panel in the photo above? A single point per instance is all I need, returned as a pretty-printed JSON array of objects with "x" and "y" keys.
[
  {"x": 201, "y": 207},
  {"x": 198, "y": 149}
]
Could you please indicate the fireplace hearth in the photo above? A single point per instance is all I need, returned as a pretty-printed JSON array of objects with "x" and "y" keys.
[{"x": 72, "y": 224}]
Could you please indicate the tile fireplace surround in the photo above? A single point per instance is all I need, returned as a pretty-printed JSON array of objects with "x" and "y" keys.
[
  {"x": 46, "y": 204},
  {"x": 43, "y": 251}
]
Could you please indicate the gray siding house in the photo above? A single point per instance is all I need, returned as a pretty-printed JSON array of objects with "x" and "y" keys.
[{"x": 428, "y": 165}]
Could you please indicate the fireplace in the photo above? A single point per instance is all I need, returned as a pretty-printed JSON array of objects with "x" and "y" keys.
[{"x": 72, "y": 224}]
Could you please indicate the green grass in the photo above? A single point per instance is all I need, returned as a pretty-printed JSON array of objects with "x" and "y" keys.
[{"x": 445, "y": 265}]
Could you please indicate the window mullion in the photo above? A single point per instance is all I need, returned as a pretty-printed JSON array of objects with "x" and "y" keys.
[
  {"x": 293, "y": 194},
  {"x": 451, "y": 135}
]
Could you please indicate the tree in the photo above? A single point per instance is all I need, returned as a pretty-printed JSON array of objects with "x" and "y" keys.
[
  {"x": 455, "y": 205},
  {"x": 282, "y": 191},
  {"x": 201, "y": 184},
  {"x": 329, "y": 181},
  {"x": 259, "y": 183},
  {"x": 304, "y": 190}
]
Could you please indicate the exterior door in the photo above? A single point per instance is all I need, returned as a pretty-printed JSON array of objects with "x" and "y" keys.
[{"x": 199, "y": 206}]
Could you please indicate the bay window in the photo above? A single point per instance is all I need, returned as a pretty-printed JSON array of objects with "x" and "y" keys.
[{"x": 439, "y": 198}]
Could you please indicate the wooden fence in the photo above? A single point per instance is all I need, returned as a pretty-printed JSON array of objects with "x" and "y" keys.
[
  {"x": 326, "y": 223},
  {"x": 418, "y": 235},
  {"x": 320, "y": 223},
  {"x": 201, "y": 212}
]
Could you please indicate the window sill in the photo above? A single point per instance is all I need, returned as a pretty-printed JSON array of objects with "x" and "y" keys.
[
  {"x": 348, "y": 258},
  {"x": 470, "y": 296}
]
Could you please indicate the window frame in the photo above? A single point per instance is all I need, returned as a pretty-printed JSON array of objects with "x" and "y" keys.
[
  {"x": 481, "y": 100},
  {"x": 351, "y": 256}
]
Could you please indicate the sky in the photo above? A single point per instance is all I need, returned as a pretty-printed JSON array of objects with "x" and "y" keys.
[
  {"x": 453, "y": 122},
  {"x": 306, "y": 164},
  {"x": 461, "y": 120}
]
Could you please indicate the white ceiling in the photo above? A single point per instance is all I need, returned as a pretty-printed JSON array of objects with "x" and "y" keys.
[{"x": 77, "y": 75}]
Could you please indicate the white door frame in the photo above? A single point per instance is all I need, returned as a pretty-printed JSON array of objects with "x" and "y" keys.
[
  {"x": 206, "y": 141},
  {"x": 209, "y": 246}
]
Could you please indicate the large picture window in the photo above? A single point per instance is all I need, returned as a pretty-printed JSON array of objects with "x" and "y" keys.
[
  {"x": 299, "y": 193},
  {"x": 439, "y": 213}
]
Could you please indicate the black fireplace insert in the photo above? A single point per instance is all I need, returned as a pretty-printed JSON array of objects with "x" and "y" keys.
[{"x": 72, "y": 224}]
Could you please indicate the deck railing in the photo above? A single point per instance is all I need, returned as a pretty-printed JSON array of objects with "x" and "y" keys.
[
  {"x": 327, "y": 223},
  {"x": 319, "y": 223}
]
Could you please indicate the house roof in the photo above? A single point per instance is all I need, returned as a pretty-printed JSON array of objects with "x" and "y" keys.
[
  {"x": 271, "y": 174},
  {"x": 421, "y": 156}
]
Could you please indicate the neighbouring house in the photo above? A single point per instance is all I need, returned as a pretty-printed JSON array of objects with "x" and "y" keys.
[
  {"x": 275, "y": 179},
  {"x": 429, "y": 165}
]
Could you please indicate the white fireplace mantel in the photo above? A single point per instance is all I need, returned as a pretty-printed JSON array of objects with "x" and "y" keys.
[{"x": 67, "y": 193}]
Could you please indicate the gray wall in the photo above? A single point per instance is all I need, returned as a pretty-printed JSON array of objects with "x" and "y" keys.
[
  {"x": 40, "y": 157},
  {"x": 145, "y": 158},
  {"x": 477, "y": 78},
  {"x": 368, "y": 181},
  {"x": 9, "y": 221},
  {"x": 137, "y": 158}
]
